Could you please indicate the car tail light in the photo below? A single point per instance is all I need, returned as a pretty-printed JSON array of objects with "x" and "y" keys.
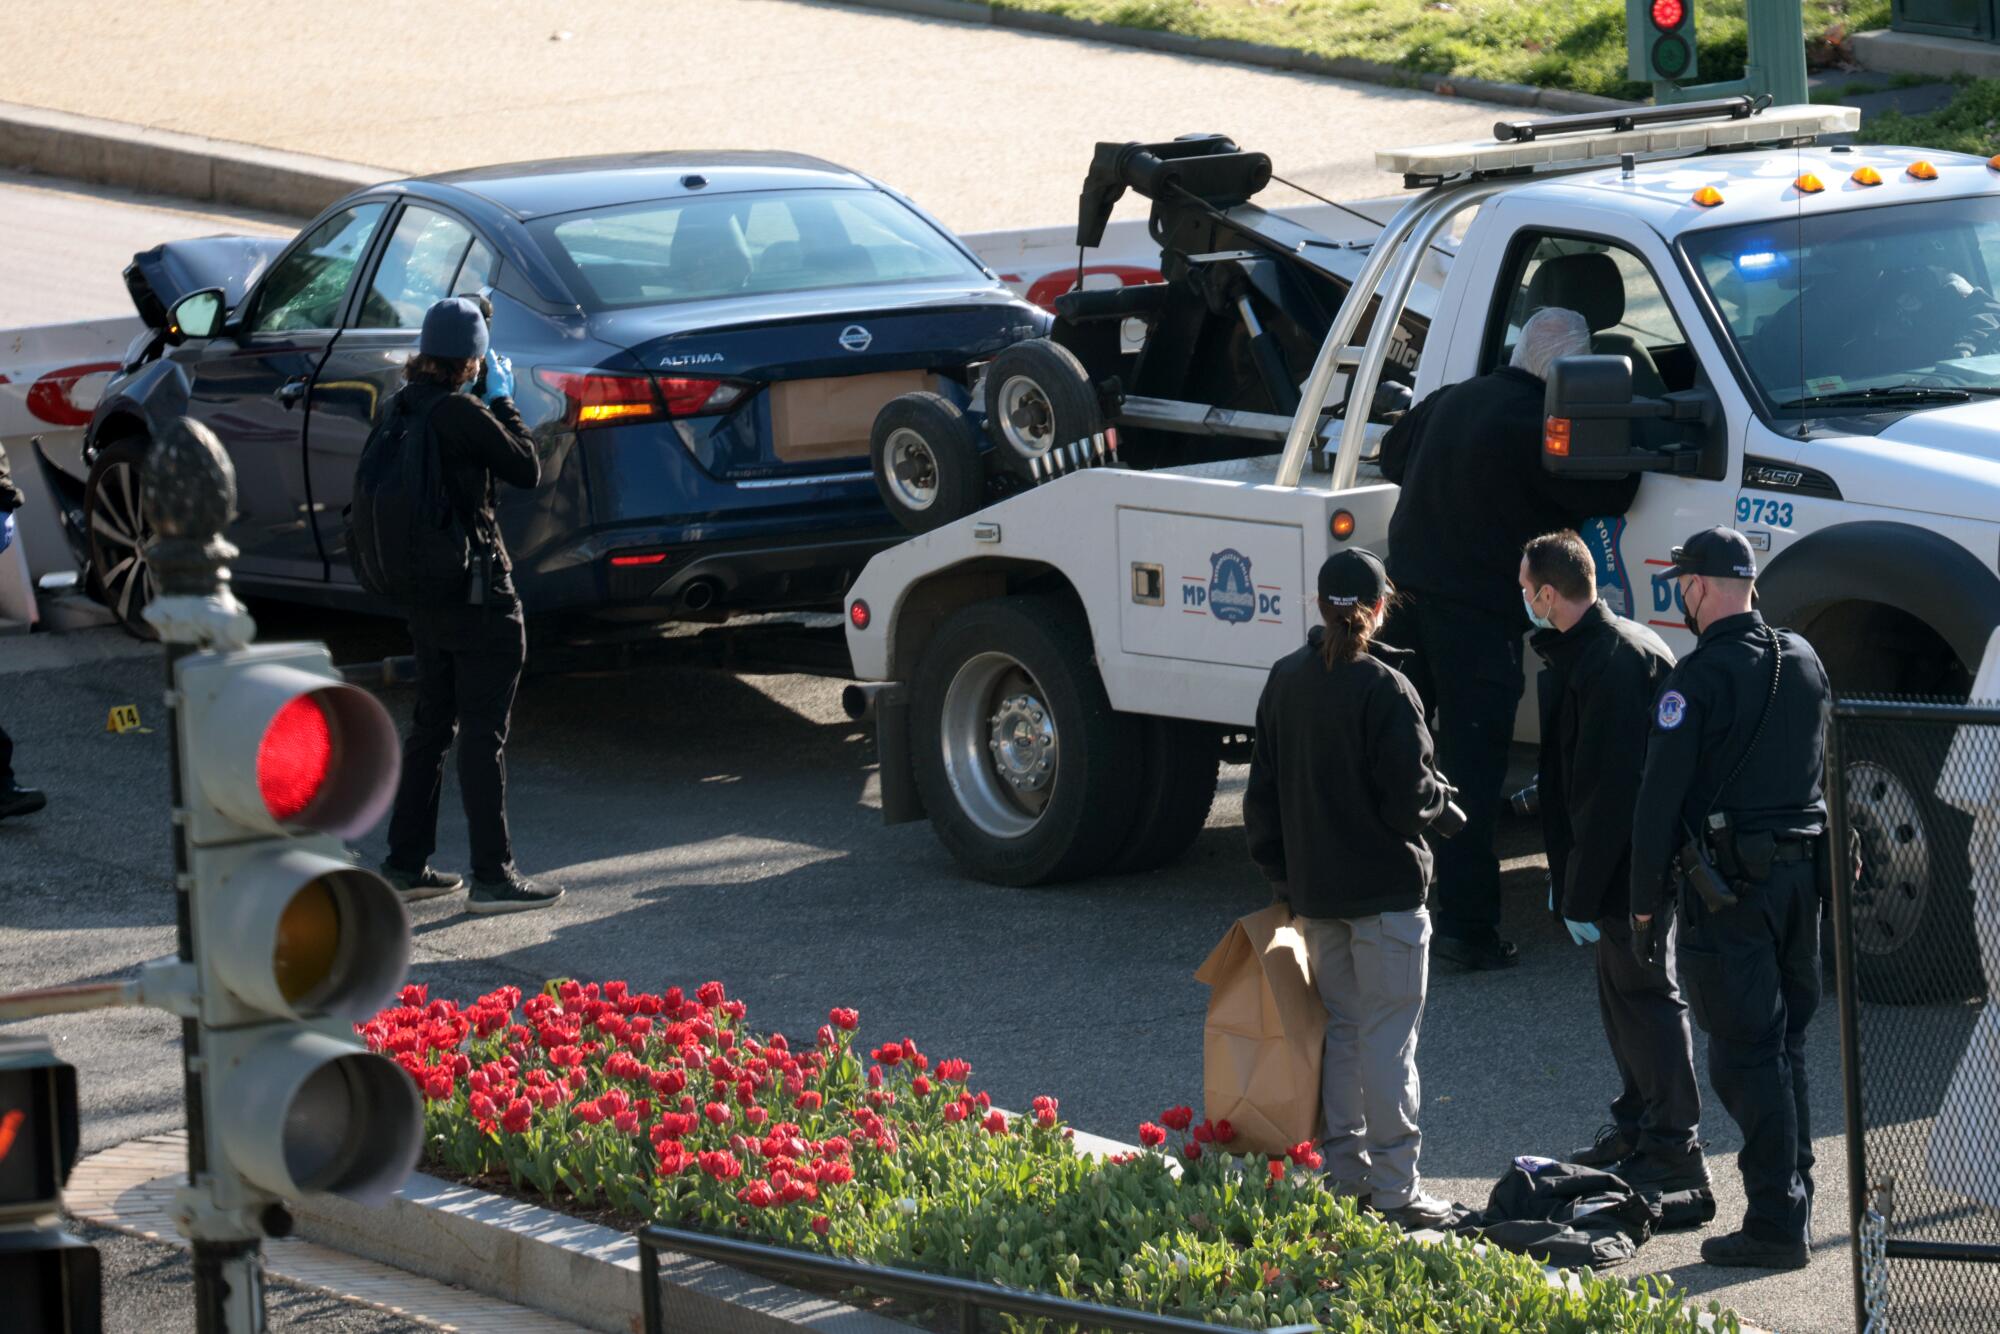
[{"x": 608, "y": 398}]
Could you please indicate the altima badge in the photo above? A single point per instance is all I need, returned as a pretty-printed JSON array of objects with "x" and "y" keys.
[{"x": 855, "y": 338}]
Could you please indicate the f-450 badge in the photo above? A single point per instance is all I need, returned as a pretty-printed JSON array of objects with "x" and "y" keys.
[{"x": 1232, "y": 598}]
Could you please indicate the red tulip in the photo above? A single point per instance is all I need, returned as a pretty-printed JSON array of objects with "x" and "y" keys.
[{"x": 1151, "y": 1135}]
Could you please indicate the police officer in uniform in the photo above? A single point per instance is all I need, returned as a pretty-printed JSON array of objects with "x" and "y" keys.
[{"x": 1729, "y": 817}]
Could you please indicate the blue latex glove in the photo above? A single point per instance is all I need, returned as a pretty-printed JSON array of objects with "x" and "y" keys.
[
  {"x": 499, "y": 377},
  {"x": 1583, "y": 933},
  {"x": 6, "y": 530}
]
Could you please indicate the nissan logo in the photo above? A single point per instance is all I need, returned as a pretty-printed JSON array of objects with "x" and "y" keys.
[{"x": 855, "y": 338}]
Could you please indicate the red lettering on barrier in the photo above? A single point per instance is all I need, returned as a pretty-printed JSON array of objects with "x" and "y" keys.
[
  {"x": 48, "y": 397},
  {"x": 1052, "y": 285}
]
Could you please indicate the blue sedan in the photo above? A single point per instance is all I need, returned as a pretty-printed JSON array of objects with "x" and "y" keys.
[{"x": 701, "y": 344}]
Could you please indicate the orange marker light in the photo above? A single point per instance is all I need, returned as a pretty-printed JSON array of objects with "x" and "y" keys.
[
  {"x": 1341, "y": 525},
  {"x": 1555, "y": 437},
  {"x": 1809, "y": 184},
  {"x": 1866, "y": 176},
  {"x": 1708, "y": 196},
  {"x": 1921, "y": 170}
]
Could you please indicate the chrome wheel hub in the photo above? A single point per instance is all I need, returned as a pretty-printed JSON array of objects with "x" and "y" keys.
[
  {"x": 1027, "y": 422},
  {"x": 911, "y": 468},
  {"x": 1002, "y": 755},
  {"x": 1892, "y": 893},
  {"x": 119, "y": 534}
]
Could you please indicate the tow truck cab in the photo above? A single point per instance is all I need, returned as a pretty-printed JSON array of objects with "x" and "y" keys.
[{"x": 1795, "y": 339}]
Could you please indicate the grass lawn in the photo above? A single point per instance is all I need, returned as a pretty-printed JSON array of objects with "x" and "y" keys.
[
  {"x": 1574, "y": 44},
  {"x": 1971, "y": 124}
]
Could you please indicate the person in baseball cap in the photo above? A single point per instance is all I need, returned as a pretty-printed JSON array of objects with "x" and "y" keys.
[
  {"x": 1714, "y": 553},
  {"x": 1354, "y": 578}
]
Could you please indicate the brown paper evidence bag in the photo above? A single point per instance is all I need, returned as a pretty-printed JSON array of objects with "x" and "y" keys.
[{"x": 1265, "y": 1035}]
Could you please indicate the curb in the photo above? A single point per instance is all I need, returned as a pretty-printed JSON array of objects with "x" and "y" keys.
[
  {"x": 136, "y": 157},
  {"x": 1247, "y": 53}
]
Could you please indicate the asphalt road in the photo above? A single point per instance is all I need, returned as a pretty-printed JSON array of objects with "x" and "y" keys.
[
  {"x": 988, "y": 128},
  {"x": 708, "y": 826}
]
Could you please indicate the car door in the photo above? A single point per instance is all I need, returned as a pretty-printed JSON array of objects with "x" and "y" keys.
[
  {"x": 430, "y": 253},
  {"x": 249, "y": 388}
]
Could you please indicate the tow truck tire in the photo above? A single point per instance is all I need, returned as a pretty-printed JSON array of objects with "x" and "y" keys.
[
  {"x": 924, "y": 455},
  {"x": 1038, "y": 396},
  {"x": 1913, "y": 928},
  {"x": 115, "y": 520},
  {"x": 1178, "y": 766},
  {"x": 1021, "y": 762}
]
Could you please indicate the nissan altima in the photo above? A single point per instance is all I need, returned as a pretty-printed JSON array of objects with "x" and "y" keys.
[{"x": 701, "y": 343}]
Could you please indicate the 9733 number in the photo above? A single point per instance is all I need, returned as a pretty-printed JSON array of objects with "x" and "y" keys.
[{"x": 1777, "y": 513}]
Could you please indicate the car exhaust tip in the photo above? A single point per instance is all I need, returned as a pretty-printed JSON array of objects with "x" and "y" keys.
[{"x": 700, "y": 595}]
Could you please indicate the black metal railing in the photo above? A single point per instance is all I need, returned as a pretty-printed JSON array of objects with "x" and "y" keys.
[
  {"x": 966, "y": 1297},
  {"x": 1913, "y": 788}
]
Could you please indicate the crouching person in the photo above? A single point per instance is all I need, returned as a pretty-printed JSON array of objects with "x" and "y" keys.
[{"x": 1342, "y": 789}]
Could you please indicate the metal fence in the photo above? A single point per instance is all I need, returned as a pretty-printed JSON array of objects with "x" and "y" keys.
[
  {"x": 963, "y": 1300},
  {"x": 1914, "y": 792}
]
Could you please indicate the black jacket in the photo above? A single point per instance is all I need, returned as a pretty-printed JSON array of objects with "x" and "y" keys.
[
  {"x": 478, "y": 444},
  {"x": 1597, "y": 687},
  {"x": 10, "y": 495},
  {"x": 1703, "y": 721},
  {"x": 1469, "y": 460},
  {"x": 1342, "y": 786}
]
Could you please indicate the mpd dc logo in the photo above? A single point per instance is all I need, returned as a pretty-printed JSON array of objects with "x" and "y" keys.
[{"x": 1230, "y": 596}]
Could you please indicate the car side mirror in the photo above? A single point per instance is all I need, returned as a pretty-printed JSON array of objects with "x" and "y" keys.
[
  {"x": 196, "y": 315},
  {"x": 1587, "y": 415}
]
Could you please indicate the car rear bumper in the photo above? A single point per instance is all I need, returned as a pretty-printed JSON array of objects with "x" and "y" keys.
[{"x": 712, "y": 577}]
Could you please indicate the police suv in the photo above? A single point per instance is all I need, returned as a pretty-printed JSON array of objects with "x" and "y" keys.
[{"x": 1797, "y": 339}]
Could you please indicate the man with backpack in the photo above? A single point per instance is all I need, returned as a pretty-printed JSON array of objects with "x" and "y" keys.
[{"x": 423, "y": 533}]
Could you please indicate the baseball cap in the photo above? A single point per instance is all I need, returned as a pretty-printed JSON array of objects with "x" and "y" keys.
[
  {"x": 1716, "y": 553},
  {"x": 1353, "y": 576}
]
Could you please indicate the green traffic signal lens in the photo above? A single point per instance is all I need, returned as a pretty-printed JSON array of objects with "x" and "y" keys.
[
  {"x": 308, "y": 942},
  {"x": 1671, "y": 56}
]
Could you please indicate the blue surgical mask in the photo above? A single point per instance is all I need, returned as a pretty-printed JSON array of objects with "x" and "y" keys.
[{"x": 1539, "y": 622}]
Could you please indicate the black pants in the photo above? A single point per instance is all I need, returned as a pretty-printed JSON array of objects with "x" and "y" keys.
[
  {"x": 1753, "y": 983},
  {"x": 6, "y": 760},
  {"x": 1468, "y": 670},
  {"x": 1658, "y": 1106},
  {"x": 468, "y": 666}
]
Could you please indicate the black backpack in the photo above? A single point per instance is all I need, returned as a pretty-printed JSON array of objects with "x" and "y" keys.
[{"x": 405, "y": 536}]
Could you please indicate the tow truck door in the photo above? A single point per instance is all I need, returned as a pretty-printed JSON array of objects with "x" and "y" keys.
[{"x": 1620, "y": 276}]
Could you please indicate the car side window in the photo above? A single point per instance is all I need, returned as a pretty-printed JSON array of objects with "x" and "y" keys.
[
  {"x": 1612, "y": 289},
  {"x": 304, "y": 291},
  {"x": 480, "y": 270},
  {"x": 419, "y": 266}
]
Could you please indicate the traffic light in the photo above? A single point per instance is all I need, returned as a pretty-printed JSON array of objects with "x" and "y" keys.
[
  {"x": 280, "y": 761},
  {"x": 1659, "y": 35},
  {"x": 50, "y": 1280}
]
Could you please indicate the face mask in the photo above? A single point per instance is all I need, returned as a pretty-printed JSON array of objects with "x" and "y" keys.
[
  {"x": 1694, "y": 626},
  {"x": 1539, "y": 622}
]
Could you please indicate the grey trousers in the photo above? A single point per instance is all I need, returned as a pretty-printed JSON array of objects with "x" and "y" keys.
[{"x": 1371, "y": 973}]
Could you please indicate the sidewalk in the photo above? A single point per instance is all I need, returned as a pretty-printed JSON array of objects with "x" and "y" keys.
[{"x": 987, "y": 128}]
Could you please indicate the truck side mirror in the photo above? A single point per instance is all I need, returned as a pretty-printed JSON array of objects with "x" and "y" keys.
[{"x": 1587, "y": 417}]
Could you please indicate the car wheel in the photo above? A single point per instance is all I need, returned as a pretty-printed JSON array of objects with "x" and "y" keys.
[
  {"x": 114, "y": 511},
  {"x": 1038, "y": 396},
  {"x": 1019, "y": 758},
  {"x": 1178, "y": 767},
  {"x": 925, "y": 458},
  {"x": 1913, "y": 931}
]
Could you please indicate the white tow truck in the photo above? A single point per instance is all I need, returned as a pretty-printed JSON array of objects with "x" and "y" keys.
[{"x": 1794, "y": 338}]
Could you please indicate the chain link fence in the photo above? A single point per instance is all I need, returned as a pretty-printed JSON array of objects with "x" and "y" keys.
[{"x": 1914, "y": 791}]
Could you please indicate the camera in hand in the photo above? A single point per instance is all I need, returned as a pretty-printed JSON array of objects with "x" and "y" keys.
[{"x": 1452, "y": 818}]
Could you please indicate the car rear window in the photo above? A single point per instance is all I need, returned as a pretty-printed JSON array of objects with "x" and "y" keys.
[{"x": 729, "y": 245}]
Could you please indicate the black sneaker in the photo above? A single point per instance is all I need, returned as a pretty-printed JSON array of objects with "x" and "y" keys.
[
  {"x": 513, "y": 892},
  {"x": 415, "y": 886},
  {"x": 1657, "y": 1174},
  {"x": 1477, "y": 954},
  {"x": 1610, "y": 1146},
  {"x": 1740, "y": 1250},
  {"x": 18, "y": 800},
  {"x": 1421, "y": 1213}
]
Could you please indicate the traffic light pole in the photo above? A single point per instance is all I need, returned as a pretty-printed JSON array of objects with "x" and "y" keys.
[{"x": 190, "y": 491}]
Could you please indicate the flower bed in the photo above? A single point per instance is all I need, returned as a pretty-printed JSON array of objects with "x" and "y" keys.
[{"x": 666, "y": 1107}]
